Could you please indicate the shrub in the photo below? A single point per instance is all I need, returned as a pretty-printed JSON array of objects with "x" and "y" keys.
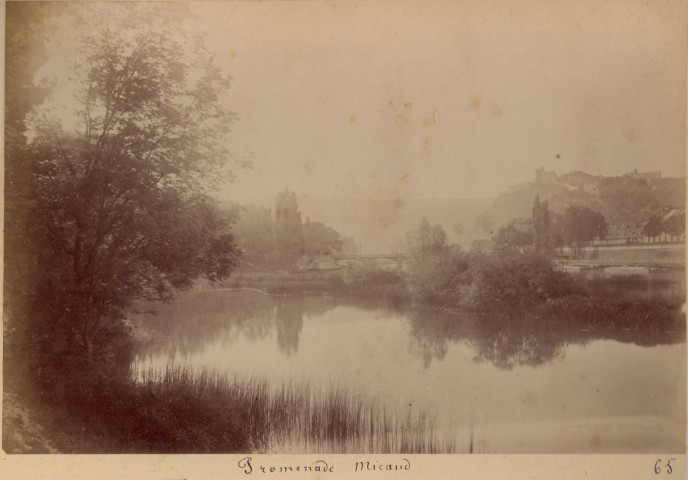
[
  {"x": 431, "y": 278},
  {"x": 519, "y": 281}
]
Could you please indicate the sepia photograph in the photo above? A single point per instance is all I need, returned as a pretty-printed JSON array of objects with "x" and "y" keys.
[{"x": 331, "y": 228}]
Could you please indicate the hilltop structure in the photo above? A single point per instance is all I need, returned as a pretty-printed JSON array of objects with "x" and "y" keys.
[
  {"x": 582, "y": 181},
  {"x": 639, "y": 207}
]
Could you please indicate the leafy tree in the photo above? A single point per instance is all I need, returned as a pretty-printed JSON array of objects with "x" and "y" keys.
[
  {"x": 509, "y": 239},
  {"x": 255, "y": 235},
  {"x": 675, "y": 225},
  {"x": 319, "y": 238},
  {"x": 427, "y": 239},
  {"x": 288, "y": 229},
  {"x": 581, "y": 224},
  {"x": 121, "y": 186},
  {"x": 654, "y": 227},
  {"x": 433, "y": 262}
]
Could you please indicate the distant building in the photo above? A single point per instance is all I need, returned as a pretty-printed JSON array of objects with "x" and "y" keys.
[
  {"x": 623, "y": 234},
  {"x": 575, "y": 180},
  {"x": 582, "y": 181},
  {"x": 545, "y": 176},
  {"x": 634, "y": 233}
]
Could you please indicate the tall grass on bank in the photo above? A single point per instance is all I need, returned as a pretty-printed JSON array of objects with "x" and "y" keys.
[{"x": 292, "y": 418}]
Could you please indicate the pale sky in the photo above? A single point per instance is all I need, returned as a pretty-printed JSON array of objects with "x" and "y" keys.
[{"x": 448, "y": 99}]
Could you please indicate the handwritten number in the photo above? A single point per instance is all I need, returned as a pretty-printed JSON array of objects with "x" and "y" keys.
[{"x": 667, "y": 467}]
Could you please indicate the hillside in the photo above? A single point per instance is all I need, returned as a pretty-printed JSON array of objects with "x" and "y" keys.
[
  {"x": 382, "y": 225},
  {"x": 620, "y": 199}
]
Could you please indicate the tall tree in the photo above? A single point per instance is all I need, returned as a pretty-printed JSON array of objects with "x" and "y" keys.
[
  {"x": 675, "y": 225},
  {"x": 653, "y": 227},
  {"x": 255, "y": 235},
  {"x": 121, "y": 186},
  {"x": 541, "y": 223},
  {"x": 288, "y": 229}
]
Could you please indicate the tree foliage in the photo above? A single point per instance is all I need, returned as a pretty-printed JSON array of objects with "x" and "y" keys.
[
  {"x": 427, "y": 239},
  {"x": 27, "y": 25},
  {"x": 433, "y": 262},
  {"x": 509, "y": 240},
  {"x": 581, "y": 224},
  {"x": 278, "y": 242},
  {"x": 541, "y": 224},
  {"x": 121, "y": 188},
  {"x": 320, "y": 239},
  {"x": 508, "y": 282},
  {"x": 672, "y": 224},
  {"x": 675, "y": 225},
  {"x": 654, "y": 227},
  {"x": 289, "y": 238},
  {"x": 255, "y": 235}
]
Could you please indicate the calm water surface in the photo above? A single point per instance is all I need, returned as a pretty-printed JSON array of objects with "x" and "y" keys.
[{"x": 514, "y": 387}]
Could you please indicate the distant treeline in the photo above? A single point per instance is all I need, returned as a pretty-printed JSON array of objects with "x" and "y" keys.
[{"x": 279, "y": 238}]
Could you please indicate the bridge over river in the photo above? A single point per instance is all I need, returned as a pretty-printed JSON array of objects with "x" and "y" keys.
[{"x": 374, "y": 259}]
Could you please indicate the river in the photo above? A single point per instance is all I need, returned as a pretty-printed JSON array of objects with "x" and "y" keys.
[{"x": 493, "y": 385}]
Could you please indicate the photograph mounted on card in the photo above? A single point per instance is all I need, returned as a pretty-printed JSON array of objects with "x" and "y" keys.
[{"x": 360, "y": 228}]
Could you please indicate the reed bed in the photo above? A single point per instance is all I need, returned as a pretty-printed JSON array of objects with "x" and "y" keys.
[{"x": 294, "y": 417}]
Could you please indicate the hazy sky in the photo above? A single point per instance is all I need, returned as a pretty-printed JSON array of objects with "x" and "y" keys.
[{"x": 448, "y": 99}]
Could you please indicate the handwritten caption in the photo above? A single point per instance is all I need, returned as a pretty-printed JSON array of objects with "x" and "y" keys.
[{"x": 249, "y": 465}]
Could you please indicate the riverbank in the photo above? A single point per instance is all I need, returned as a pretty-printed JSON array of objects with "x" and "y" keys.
[
  {"x": 464, "y": 368},
  {"x": 107, "y": 411},
  {"x": 31, "y": 424},
  {"x": 385, "y": 287},
  {"x": 180, "y": 411},
  {"x": 665, "y": 290}
]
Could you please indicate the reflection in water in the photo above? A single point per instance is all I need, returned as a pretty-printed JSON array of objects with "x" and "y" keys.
[
  {"x": 667, "y": 284},
  {"x": 505, "y": 341},
  {"x": 195, "y": 320},
  {"x": 289, "y": 320},
  {"x": 496, "y": 376},
  {"x": 522, "y": 339}
]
